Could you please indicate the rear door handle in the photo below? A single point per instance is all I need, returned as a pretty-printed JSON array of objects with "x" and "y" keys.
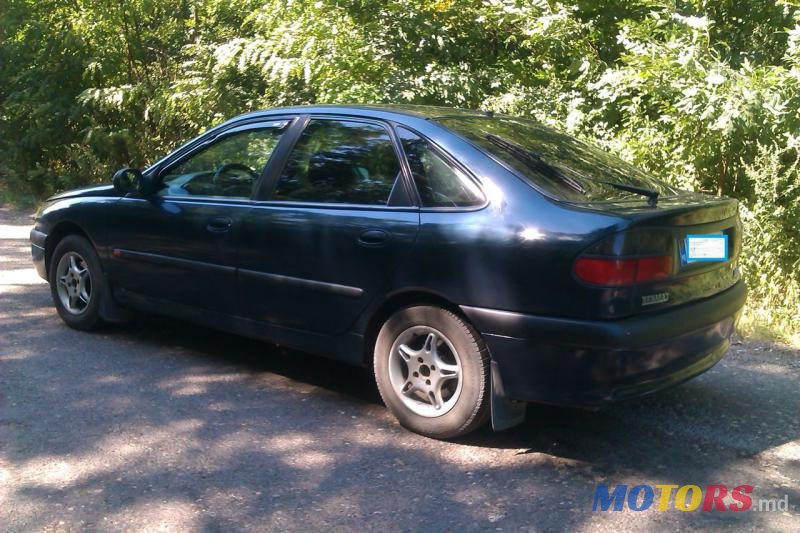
[
  {"x": 373, "y": 237},
  {"x": 219, "y": 224}
]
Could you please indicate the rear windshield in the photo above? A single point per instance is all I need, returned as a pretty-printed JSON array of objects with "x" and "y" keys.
[{"x": 585, "y": 166}]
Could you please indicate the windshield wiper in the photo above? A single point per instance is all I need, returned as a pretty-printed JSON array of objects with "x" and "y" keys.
[
  {"x": 652, "y": 196},
  {"x": 534, "y": 161}
]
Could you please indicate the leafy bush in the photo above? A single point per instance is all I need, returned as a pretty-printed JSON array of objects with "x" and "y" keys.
[
  {"x": 771, "y": 261},
  {"x": 703, "y": 93}
]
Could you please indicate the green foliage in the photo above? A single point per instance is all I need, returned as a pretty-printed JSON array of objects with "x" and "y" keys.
[
  {"x": 772, "y": 261},
  {"x": 703, "y": 93}
]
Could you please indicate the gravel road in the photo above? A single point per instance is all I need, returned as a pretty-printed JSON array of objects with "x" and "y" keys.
[{"x": 162, "y": 425}]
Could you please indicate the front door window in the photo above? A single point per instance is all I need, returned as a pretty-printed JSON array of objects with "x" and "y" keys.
[{"x": 227, "y": 168}]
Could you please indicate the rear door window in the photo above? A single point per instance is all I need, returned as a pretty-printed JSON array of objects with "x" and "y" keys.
[{"x": 342, "y": 162}]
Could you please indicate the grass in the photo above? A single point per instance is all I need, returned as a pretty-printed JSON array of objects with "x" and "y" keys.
[{"x": 760, "y": 323}]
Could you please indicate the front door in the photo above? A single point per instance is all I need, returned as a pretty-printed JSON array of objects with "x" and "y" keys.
[
  {"x": 180, "y": 244},
  {"x": 336, "y": 226}
]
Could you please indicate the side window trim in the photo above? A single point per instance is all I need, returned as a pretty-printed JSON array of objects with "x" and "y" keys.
[
  {"x": 291, "y": 138},
  {"x": 280, "y": 156},
  {"x": 449, "y": 160},
  {"x": 405, "y": 170},
  {"x": 405, "y": 167},
  {"x": 205, "y": 142}
]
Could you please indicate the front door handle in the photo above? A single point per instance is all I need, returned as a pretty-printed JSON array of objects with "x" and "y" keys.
[
  {"x": 219, "y": 225},
  {"x": 373, "y": 237}
]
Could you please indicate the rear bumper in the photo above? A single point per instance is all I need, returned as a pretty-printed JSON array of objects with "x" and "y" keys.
[
  {"x": 587, "y": 363},
  {"x": 37, "y": 252}
]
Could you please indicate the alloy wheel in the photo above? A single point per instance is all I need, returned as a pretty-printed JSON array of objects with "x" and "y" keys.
[
  {"x": 425, "y": 371},
  {"x": 74, "y": 283}
]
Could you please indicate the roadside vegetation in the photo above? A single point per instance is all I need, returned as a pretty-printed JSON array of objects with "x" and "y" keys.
[{"x": 702, "y": 93}]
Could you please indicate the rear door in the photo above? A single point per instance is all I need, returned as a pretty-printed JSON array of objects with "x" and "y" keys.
[
  {"x": 180, "y": 243},
  {"x": 335, "y": 224}
]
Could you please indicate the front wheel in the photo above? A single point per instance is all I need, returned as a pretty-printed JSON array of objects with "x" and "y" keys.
[
  {"x": 432, "y": 371},
  {"x": 76, "y": 282}
]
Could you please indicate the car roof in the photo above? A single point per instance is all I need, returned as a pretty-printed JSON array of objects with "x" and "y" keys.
[
  {"x": 403, "y": 114},
  {"x": 386, "y": 111}
]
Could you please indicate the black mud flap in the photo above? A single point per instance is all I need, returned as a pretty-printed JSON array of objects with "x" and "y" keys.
[{"x": 506, "y": 413}]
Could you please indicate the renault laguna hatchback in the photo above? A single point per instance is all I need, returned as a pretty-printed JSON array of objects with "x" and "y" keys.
[{"x": 476, "y": 262}]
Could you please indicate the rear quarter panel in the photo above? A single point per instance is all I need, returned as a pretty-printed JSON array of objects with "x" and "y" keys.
[{"x": 515, "y": 254}]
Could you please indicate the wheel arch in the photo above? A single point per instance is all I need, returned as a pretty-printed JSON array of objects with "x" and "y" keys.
[
  {"x": 396, "y": 301},
  {"x": 59, "y": 231}
]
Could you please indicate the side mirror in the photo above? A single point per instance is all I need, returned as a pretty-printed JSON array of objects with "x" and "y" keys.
[{"x": 131, "y": 180}]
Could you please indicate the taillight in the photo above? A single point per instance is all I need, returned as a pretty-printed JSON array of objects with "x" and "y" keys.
[
  {"x": 612, "y": 272},
  {"x": 629, "y": 258}
]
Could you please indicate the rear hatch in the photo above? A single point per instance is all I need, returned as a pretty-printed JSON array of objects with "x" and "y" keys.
[
  {"x": 657, "y": 243},
  {"x": 644, "y": 268}
]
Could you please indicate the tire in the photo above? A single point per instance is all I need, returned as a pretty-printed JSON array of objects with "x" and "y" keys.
[
  {"x": 84, "y": 315},
  {"x": 407, "y": 349}
]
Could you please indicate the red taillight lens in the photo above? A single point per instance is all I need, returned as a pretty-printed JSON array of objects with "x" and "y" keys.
[
  {"x": 653, "y": 268},
  {"x": 624, "y": 271},
  {"x": 606, "y": 271},
  {"x": 641, "y": 255}
]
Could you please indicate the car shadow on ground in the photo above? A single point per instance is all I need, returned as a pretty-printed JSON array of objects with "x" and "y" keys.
[
  {"x": 255, "y": 356},
  {"x": 749, "y": 410}
]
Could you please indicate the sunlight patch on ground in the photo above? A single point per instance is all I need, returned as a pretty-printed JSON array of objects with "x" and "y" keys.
[
  {"x": 311, "y": 460},
  {"x": 11, "y": 279},
  {"x": 787, "y": 452},
  {"x": 8, "y": 231},
  {"x": 16, "y": 355},
  {"x": 34, "y": 313},
  {"x": 768, "y": 368},
  {"x": 120, "y": 453},
  {"x": 192, "y": 385},
  {"x": 300, "y": 450},
  {"x": 190, "y": 390},
  {"x": 110, "y": 380},
  {"x": 289, "y": 441},
  {"x": 18, "y": 276},
  {"x": 175, "y": 515},
  {"x": 55, "y": 473}
]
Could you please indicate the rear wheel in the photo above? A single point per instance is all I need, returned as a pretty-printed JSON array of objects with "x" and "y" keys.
[
  {"x": 76, "y": 282},
  {"x": 432, "y": 371}
]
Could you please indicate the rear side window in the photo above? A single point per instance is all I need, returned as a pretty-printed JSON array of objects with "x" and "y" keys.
[
  {"x": 340, "y": 161},
  {"x": 594, "y": 170},
  {"x": 439, "y": 184}
]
